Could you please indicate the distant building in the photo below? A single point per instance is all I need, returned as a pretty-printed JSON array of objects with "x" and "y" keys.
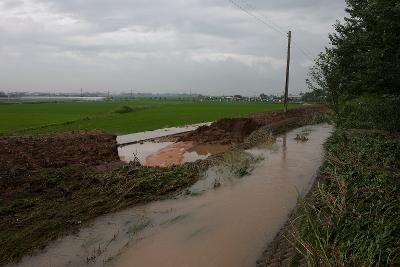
[
  {"x": 238, "y": 97},
  {"x": 270, "y": 98},
  {"x": 295, "y": 98}
]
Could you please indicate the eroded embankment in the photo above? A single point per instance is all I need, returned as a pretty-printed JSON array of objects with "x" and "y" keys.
[
  {"x": 235, "y": 130},
  {"x": 57, "y": 198},
  {"x": 22, "y": 156}
]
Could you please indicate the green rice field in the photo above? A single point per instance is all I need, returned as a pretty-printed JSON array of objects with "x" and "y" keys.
[{"x": 119, "y": 117}]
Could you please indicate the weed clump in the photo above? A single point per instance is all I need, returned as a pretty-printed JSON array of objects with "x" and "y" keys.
[{"x": 124, "y": 109}]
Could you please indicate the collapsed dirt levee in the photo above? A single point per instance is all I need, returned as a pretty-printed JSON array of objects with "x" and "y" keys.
[
  {"x": 24, "y": 155},
  {"x": 235, "y": 130},
  {"x": 224, "y": 131}
]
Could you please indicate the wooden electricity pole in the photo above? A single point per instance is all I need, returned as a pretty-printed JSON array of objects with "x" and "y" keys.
[{"x": 287, "y": 72}]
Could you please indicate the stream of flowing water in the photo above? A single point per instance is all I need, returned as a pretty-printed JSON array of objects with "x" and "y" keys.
[{"x": 224, "y": 226}]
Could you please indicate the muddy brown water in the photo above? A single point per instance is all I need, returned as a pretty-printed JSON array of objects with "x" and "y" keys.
[
  {"x": 226, "y": 226},
  {"x": 168, "y": 153}
]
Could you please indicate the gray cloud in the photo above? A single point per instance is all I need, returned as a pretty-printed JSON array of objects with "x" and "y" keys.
[{"x": 207, "y": 46}]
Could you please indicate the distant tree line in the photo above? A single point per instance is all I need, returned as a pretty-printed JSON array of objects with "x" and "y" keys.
[{"x": 363, "y": 58}]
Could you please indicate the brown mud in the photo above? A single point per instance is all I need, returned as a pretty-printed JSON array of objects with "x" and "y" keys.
[
  {"x": 168, "y": 156},
  {"x": 163, "y": 154},
  {"x": 22, "y": 156},
  {"x": 235, "y": 130},
  {"x": 225, "y": 131}
]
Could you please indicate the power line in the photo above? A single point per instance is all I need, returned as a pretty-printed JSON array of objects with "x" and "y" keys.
[
  {"x": 295, "y": 44},
  {"x": 304, "y": 52},
  {"x": 254, "y": 10},
  {"x": 256, "y": 17},
  {"x": 270, "y": 24}
]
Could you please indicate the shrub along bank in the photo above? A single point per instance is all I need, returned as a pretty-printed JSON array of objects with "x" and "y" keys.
[{"x": 351, "y": 218}]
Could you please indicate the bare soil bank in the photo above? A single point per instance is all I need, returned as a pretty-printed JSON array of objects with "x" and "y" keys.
[
  {"x": 235, "y": 130},
  {"x": 22, "y": 156}
]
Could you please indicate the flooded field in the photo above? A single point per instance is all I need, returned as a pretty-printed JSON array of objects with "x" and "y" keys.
[{"x": 222, "y": 220}]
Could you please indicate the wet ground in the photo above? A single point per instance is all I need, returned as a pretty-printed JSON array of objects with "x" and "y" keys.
[
  {"x": 162, "y": 148},
  {"x": 224, "y": 225},
  {"x": 22, "y": 156},
  {"x": 168, "y": 153}
]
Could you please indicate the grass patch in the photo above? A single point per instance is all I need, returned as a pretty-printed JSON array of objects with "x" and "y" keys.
[
  {"x": 117, "y": 116},
  {"x": 127, "y": 109},
  {"x": 123, "y": 109},
  {"x": 351, "y": 218}
]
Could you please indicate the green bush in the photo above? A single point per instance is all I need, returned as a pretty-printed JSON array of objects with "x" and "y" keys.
[
  {"x": 371, "y": 112},
  {"x": 124, "y": 109}
]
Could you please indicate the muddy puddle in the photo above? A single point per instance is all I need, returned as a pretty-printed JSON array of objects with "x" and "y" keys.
[
  {"x": 224, "y": 225},
  {"x": 167, "y": 153},
  {"x": 203, "y": 151}
]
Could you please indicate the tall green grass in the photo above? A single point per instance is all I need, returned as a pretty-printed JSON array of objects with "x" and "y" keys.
[{"x": 352, "y": 216}]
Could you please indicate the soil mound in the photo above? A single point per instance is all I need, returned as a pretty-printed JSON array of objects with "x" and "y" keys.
[
  {"x": 225, "y": 131},
  {"x": 25, "y": 155},
  {"x": 235, "y": 130},
  {"x": 266, "y": 118}
]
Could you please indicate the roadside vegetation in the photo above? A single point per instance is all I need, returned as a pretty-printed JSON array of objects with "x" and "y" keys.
[
  {"x": 351, "y": 216},
  {"x": 119, "y": 117}
]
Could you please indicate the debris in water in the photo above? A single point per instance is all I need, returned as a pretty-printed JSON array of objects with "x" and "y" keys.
[
  {"x": 217, "y": 183},
  {"x": 301, "y": 138}
]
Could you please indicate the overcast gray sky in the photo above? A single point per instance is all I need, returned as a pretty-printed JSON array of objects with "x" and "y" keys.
[{"x": 159, "y": 46}]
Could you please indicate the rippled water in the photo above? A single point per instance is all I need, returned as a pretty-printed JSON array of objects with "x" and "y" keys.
[{"x": 226, "y": 226}]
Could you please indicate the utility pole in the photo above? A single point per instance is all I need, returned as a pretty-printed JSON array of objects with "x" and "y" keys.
[
  {"x": 287, "y": 72},
  {"x": 131, "y": 93},
  {"x": 81, "y": 92}
]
